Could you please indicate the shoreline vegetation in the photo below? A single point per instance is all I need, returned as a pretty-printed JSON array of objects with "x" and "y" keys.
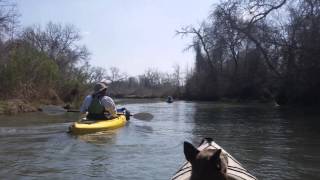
[
  {"x": 243, "y": 52},
  {"x": 15, "y": 106}
]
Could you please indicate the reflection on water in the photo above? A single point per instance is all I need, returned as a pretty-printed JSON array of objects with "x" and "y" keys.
[
  {"x": 272, "y": 142},
  {"x": 98, "y": 137}
]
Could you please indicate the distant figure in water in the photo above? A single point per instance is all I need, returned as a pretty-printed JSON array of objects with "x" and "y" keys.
[{"x": 169, "y": 99}]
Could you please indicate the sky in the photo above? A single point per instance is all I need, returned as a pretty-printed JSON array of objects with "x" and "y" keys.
[{"x": 133, "y": 35}]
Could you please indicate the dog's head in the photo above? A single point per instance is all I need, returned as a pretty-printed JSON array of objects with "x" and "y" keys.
[{"x": 206, "y": 164}]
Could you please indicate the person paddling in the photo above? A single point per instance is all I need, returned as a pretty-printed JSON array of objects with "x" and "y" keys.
[{"x": 98, "y": 106}]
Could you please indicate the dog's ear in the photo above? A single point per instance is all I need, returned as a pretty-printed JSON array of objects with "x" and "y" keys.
[
  {"x": 216, "y": 155},
  {"x": 218, "y": 152},
  {"x": 215, "y": 159},
  {"x": 190, "y": 151}
]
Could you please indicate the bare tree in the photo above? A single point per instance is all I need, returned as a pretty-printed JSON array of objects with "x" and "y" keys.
[
  {"x": 96, "y": 74},
  {"x": 115, "y": 75},
  {"x": 177, "y": 75},
  {"x": 200, "y": 38},
  {"x": 253, "y": 18},
  {"x": 8, "y": 18},
  {"x": 59, "y": 42}
]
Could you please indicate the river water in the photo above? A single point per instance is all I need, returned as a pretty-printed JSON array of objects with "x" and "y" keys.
[{"x": 271, "y": 142}]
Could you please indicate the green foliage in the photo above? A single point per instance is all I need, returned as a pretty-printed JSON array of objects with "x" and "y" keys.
[
  {"x": 45, "y": 64},
  {"x": 27, "y": 70},
  {"x": 33, "y": 66}
]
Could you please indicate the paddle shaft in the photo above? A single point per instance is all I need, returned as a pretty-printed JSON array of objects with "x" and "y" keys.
[
  {"x": 55, "y": 110},
  {"x": 75, "y": 110},
  {"x": 72, "y": 110},
  {"x": 141, "y": 116}
]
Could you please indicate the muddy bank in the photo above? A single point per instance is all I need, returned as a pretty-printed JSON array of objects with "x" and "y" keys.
[{"x": 15, "y": 106}]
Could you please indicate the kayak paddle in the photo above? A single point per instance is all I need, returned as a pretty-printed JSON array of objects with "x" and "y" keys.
[{"x": 57, "y": 110}]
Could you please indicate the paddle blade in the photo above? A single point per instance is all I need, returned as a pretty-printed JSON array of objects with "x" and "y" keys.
[
  {"x": 143, "y": 116},
  {"x": 52, "y": 110},
  {"x": 56, "y": 110}
]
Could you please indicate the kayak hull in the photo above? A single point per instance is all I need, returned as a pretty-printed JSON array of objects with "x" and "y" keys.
[
  {"x": 84, "y": 127},
  {"x": 235, "y": 170}
]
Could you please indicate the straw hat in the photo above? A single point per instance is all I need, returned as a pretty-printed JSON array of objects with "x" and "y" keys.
[
  {"x": 105, "y": 81},
  {"x": 99, "y": 87}
]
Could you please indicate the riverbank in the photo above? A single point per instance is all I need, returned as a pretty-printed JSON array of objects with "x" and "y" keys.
[{"x": 15, "y": 106}]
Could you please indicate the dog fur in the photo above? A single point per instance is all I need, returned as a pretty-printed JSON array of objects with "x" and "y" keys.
[{"x": 209, "y": 164}]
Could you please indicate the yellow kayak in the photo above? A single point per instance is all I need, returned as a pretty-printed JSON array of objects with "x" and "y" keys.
[{"x": 83, "y": 127}]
